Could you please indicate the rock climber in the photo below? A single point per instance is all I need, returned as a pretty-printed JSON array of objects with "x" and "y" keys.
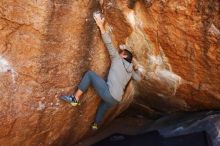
[{"x": 110, "y": 91}]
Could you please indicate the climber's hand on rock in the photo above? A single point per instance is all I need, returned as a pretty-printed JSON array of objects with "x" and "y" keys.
[
  {"x": 135, "y": 63},
  {"x": 134, "y": 60},
  {"x": 99, "y": 21}
]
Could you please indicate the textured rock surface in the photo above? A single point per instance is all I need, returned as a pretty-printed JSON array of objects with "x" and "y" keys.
[
  {"x": 182, "y": 124},
  {"x": 46, "y": 46},
  {"x": 182, "y": 43}
]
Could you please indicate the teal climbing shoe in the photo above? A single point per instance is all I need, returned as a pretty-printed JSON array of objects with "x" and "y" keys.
[
  {"x": 70, "y": 99},
  {"x": 94, "y": 126}
]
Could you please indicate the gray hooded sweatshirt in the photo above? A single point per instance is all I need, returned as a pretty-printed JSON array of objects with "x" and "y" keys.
[{"x": 120, "y": 71}]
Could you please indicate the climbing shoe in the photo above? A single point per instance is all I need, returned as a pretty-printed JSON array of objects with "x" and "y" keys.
[
  {"x": 70, "y": 99},
  {"x": 94, "y": 126}
]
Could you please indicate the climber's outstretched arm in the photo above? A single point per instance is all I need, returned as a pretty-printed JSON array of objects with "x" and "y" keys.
[{"x": 106, "y": 38}]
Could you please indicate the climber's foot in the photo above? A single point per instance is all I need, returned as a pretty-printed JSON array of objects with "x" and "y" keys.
[
  {"x": 70, "y": 99},
  {"x": 94, "y": 126}
]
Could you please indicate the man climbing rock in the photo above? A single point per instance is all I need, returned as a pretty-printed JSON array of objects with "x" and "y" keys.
[{"x": 120, "y": 73}]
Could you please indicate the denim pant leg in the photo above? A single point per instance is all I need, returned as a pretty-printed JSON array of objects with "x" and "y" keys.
[
  {"x": 107, "y": 102},
  {"x": 102, "y": 109},
  {"x": 97, "y": 82},
  {"x": 85, "y": 82},
  {"x": 101, "y": 88}
]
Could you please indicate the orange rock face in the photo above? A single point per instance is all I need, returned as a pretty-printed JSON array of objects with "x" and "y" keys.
[
  {"x": 46, "y": 46},
  {"x": 182, "y": 57}
]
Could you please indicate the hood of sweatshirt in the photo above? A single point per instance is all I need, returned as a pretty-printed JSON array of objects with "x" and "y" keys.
[{"x": 128, "y": 66}]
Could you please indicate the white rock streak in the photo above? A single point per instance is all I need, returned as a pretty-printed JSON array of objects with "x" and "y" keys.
[
  {"x": 170, "y": 78},
  {"x": 155, "y": 60},
  {"x": 131, "y": 18},
  {"x": 158, "y": 70},
  {"x": 214, "y": 30},
  {"x": 134, "y": 20},
  {"x": 41, "y": 106},
  {"x": 5, "y": 67},
  {"x": 164, "y": 74}
]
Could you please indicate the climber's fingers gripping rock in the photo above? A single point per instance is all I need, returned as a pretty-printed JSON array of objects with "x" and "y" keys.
[{"x": 99, "y": 19}]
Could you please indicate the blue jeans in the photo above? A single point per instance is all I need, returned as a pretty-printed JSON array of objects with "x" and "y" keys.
[{"x": 102, "y": 90}]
